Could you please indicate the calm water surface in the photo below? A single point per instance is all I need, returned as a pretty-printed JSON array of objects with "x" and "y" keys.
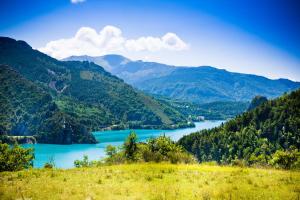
[{"x": 64, "y": 155}]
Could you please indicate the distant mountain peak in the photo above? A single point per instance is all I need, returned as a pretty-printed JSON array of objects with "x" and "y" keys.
[
  {"x": 115, "y": 59},
  {"x": 117, "y": 56},
  {"x": 200, "y": 84}
]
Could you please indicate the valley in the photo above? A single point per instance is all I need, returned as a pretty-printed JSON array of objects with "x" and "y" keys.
[
  {"x": 149, "y": 100},
  {"x": 75, "y": 98}
]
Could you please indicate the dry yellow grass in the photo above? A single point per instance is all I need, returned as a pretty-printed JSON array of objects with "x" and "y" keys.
[{"x": 151, "y": 181}]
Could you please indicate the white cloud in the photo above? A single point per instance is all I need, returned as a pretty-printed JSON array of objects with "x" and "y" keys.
[
  {"x": 110, "y": 40},
  {"x": 169, "y": 41},
  {"x": 77, "y": 1}
]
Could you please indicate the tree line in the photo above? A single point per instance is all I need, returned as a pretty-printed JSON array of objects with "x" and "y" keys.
[{"x": 266, "y": 135}]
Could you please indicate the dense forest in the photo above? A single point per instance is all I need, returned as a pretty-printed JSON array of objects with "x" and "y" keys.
[
  {"x": 70, "y": 98},
  {"x": 28, "y": 110},
  {"x": 218, "y": 110},
  {"x": 268, "y": 134}
]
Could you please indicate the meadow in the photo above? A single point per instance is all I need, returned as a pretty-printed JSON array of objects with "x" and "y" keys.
[{"x": 151, "y": 181}]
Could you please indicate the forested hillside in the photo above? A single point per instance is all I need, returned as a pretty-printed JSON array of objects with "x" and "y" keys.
[
  {"x": 28, "y": 110},
  {"x": 209, "y": 84},
  {"x": 208, "y": 111},
  {"x": 79, "y": 90},
  {"x": 203, "y": 84},
  {"x": 267, "y": 134}
]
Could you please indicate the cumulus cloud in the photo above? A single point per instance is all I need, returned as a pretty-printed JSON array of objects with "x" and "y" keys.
[
  {"x": 77, "y": 1},
  {"x": 87, "y": 41}
]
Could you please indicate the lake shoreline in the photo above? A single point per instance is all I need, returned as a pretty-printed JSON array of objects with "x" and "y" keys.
[
  {"x": 148, "y": 127},
  {"x": 12, "y": 139},
  {"x": 65, "y": 155},
  {"x": 15, "y": 139}
]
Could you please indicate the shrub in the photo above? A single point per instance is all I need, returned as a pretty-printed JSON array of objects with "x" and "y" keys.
[
  {"x": 48, "y": 165},
  {"x": 161, "y": 149},
  {"x": 286, "y": 159},
  {"x": 14, "y": 158},
  {"x": 150, "y": 156},
  {"x": 115, "y": 155},
  {"x": 164, "y": 149},
  {"x": 85, "y": 162},
  {"x": 111, "y": 150}
]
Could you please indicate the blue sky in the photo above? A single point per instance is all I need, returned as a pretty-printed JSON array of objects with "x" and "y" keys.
[{"x": 259, "y": 37}]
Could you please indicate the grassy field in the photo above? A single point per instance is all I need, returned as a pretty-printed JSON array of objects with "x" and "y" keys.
[{"x": 151, "y": 181}]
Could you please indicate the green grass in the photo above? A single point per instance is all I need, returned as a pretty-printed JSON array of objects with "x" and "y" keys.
[{"x": 151, "y": 181}]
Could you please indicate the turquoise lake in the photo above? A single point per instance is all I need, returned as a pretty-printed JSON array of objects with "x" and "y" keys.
[{"x": 64, "y": 155}]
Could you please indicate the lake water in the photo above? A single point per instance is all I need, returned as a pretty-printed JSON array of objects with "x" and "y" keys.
[{"x": 64, "y": 155}]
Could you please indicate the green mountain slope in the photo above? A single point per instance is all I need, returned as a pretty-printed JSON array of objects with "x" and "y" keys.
[
  {"x": 193, "y": 84},
  {"x": 28, "y": 110},
  {"x": 86, "y": 92},
  {"x": 208, "y": 84},
  {"x": 253, "y": 136}
]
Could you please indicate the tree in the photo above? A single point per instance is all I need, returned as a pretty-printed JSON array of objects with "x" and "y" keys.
[
  {"x": 15, "y": 158},
  {"x": 111, "y": 150},
  {"x": 130, "y": 146}
]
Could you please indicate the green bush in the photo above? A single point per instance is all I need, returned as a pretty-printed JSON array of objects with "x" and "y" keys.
[
  {"x": 85, "y": 162},
  {"x": 286, "y": 159},
  {"x": 161, "y": 149},
  {"x": 14, "y": 158},
  {"x": 115, "y": 155},
  {"x": 111, "y": 150},
  {"x": 164, "y": 149}
]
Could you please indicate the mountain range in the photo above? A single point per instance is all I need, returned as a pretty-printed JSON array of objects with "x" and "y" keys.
[
  {"x": 63, "y": 101},
  {"x": 202, "y": 84}
]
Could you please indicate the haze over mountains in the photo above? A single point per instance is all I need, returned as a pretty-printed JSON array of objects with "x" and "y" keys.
[
  {"x": 195, "y": 84},
  {"x": 132, "y": 72}
]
